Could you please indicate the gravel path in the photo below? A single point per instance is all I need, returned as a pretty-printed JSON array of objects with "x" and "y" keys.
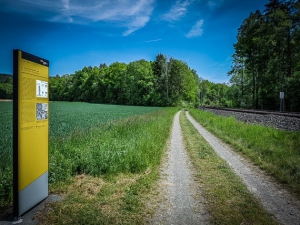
[
  {"x": 182, "y": 203},
  {"x": 274, "y": 199}
]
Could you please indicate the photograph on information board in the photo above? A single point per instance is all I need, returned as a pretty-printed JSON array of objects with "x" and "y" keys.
[{"x": 41, "y": 111}]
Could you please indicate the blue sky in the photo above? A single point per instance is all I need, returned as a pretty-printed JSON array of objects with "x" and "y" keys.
[{"x": 72, "y": 34}]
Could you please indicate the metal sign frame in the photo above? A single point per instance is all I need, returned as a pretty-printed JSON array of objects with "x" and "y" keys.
[{"x": 30, "y": 131}]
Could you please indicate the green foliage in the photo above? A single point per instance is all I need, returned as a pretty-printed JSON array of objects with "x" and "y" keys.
[
  {"x": 6, "y": 86},
  {"x": 276, "y": 151},
  {"x": 266, "y": 57},
  {"x": 216, "y": 94},
  {"x": 140, "y": 82},
  {"x": 158, "y": 83},
  {"x": 160, "y": 72},
  {"x": 182, "y": 83}
]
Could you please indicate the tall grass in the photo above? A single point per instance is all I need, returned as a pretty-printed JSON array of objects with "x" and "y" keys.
[
  {"x": 130, "y": 145},
  {"x": 83, "y": 138},
  {"x": 276, "y": 151},
  {"x": 118, "y": 161},
  {"x": 5, "y": 151}
]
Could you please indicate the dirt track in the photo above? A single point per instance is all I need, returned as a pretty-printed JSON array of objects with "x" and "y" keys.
[
  {"x": 182, "y": 201},
  {"x": 274, "y": 199}
]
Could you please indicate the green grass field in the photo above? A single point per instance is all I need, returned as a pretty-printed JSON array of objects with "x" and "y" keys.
[
  {"x": 66, "y": 117},
  {"x": 5, "y": 152},
  {"x": 87, "y": 138}
]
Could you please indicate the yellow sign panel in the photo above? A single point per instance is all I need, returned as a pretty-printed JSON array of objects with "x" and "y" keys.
[
  {"x": 33, "y": 119},
  {"x": 31, "y": 130}
]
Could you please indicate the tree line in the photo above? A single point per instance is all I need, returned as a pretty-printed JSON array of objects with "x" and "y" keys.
[
  {"x": 145, "y": 83},
  {"x": 6, "y": 86},
  {"x": 267, "y": 58},
  {"x": 163, "y": 82}
]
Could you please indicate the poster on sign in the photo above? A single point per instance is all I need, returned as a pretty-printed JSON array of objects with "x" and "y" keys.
[{"x": 41, "y": 89}]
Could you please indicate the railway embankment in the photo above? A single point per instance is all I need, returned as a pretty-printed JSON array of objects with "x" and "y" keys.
[{"x": 282, "y": 121}]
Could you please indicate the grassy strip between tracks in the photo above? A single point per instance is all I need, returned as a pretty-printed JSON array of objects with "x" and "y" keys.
[
  {"x": 104, "y": 176},
  {"x": 228, "y": 200},
  {"x": 275, "y": 151}
]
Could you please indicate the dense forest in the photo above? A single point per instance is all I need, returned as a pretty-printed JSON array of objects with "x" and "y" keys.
[
  {"x": 267, "y": 58},
  {"x": 266, "y": 62},
  {"x": 164, "y": 82}
]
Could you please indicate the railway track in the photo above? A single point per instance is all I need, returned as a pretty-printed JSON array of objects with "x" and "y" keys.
[
  {"x": 262, "y": 112},
  {"x": 279, "y": 120}
]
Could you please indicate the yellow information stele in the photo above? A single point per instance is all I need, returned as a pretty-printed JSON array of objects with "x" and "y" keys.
[{"x": 31, "y": 130}]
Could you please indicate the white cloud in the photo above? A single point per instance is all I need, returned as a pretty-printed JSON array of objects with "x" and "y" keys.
[
  {"x": 178, "y": 10},
  {"x": 131, "y": 14},
  {"x": 66, "y": 4},
  {"x": 213, "y": 4},
  {"x": 196, "y": 30},
  {"x": 155, "y": 40},
  {"x": 137, "y": 23}
]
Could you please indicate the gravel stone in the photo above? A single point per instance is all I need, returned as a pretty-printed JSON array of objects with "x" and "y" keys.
[{"x": 271, "y": 120}]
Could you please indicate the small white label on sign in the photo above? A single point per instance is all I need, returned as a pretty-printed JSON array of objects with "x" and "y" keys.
[{"x": 41, "y": 89}]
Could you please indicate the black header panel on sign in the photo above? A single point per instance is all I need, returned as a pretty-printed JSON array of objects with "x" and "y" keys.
[{"x": 35, "y": 59}]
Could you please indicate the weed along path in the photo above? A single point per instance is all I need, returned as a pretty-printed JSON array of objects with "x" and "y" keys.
[
  {"x": 276, "y": 200},
  {"x": 182, "y": 204}
]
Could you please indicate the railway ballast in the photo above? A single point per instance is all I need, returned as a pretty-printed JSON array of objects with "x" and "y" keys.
[{"x": 284, "y": 121}]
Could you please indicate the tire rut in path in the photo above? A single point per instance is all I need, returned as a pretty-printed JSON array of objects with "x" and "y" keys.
[
  {"x": 274, "y": 199},
  {"x": 183, "y": 203}
]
